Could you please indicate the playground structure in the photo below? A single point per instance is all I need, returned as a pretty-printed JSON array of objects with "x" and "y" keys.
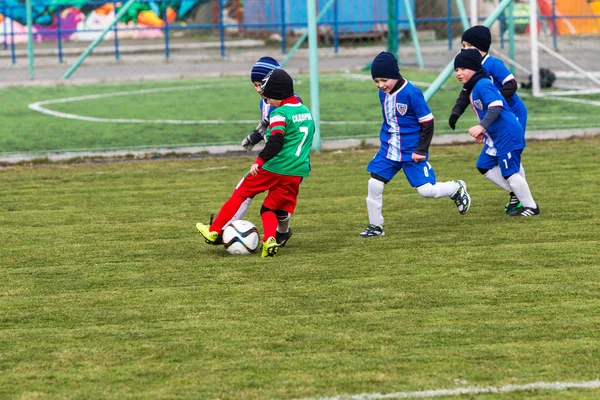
[{"x": 572, "y": 17}]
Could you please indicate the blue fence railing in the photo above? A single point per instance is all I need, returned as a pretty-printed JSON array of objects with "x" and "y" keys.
[{"x": 279, "y": 16}]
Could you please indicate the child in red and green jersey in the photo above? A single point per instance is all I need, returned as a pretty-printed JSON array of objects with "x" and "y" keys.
[{"x": 279, "y": 167}]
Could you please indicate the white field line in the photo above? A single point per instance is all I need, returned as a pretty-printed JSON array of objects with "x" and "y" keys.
[
  {"x": 39, "y": 107},
  {"x": 468, "y": 390}
]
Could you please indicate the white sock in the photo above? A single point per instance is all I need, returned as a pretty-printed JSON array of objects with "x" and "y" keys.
[
  {"x": 241, "y": 212},
  {"x": 495, "y": 175},
  {"x": 522, "y": 171},
  {"x": 520, "y": 188},
  {"x": 440, "y": 189},
  {"x": 375, "y": 202},
  {"x": 283, "y": 225}
]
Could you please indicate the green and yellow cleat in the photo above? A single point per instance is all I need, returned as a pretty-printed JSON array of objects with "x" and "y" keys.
[
  {"x": 210, "y": 237},
  {"x": 270, "y": 247}
]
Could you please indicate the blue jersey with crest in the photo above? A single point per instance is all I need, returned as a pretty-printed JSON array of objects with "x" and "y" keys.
[
  {"x": 500, "y": 75},
  {"x": 505, "y": 133},
  {"x": 403, "y": 113}
]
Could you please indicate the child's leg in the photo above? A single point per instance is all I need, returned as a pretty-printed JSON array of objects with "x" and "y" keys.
[
  {"x": 495, "y": 175},
  {"x": 438, "y": 190},
  {"x": 522, "y": 171},
  {"x": 241, "y": 212},
  {"x": 422, "y": 176},
  {"x": 520, "y": 187},
  {"x": 382, "y": 171},
  {"x": 488, "y": 165},
  {"x": 375, "y": 201},
  {"x": 283, "y": 224},
  {"x": 269, "y": 222},
  {"x": 510, "y": 165},
  {"x": 228, "y": 210}
]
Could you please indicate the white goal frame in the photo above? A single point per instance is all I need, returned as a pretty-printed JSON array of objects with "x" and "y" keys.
[{"x": 536, "y": 46}]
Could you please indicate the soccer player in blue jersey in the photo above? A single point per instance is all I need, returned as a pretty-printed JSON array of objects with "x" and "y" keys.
[
  {"x": 498, "y": 129},
  {"x": 406, "y": 134},
  {"x": 479, "y": 37}
]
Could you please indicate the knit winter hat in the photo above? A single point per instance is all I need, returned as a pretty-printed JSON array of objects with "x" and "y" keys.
[
  {"x": 277, "y": 85},
  {"x": 479, "y": 36},
  {"x": 385, "y": 65},
  {"x": 263, "y": 66},
  {"x": 469, "y": 59}
]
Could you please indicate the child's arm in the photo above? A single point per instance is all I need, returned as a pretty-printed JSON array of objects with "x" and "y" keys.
[
  {"x": 274, "y": 145},
  {"x": 509, "y": 89},
  {"x": 420, "y": 153},
  {"x": 500, "y": 73},
  {"x": 425, "y": 117},
  {"x": 462, "y": 102},
  {"x": 256, "y": 136}
]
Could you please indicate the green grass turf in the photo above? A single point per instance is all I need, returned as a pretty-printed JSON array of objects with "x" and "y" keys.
[
  {"x": 107, "y": 290},
  {"x": 345, "y": 99}
]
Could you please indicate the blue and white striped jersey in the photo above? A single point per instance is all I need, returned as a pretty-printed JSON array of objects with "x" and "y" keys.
[{"x": 403, "y": 113}]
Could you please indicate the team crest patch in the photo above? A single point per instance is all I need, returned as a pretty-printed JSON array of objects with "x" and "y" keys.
[
  {"x": 478, "y": 104},
  {"x": 402, "y": 108}
]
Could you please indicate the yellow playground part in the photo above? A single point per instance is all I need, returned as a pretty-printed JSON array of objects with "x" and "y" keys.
[
  {"x": 579, "y": 8},
  {"x": 595, "y": 5}
]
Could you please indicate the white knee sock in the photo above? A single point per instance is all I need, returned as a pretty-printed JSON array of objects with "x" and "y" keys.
[
  {"x": 375, "y": 201},
  {"x": 522, "y": 171},
  {"x": 520, "y": 188},
  {"x": 495, "y": 175},
  {"x": 440, "y": 189},
  {"x": 283, "y": 225},
  {"x": 241, "y": 212}
]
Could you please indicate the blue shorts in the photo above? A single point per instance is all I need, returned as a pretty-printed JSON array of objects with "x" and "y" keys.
[
  {"x": 509, "y": 163},
  {"x": 417, "y": 174}
]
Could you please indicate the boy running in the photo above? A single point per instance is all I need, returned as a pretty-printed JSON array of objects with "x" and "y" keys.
[
  {"x": 479, "y": 37},
  {"x": 405, "y": 135},
  {"x": 498, "y": 128}
]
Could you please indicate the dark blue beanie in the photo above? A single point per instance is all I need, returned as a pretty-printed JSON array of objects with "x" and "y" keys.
[
  {"x": 262, "y": 67},
  {"x": 479, "y": 36},
  {"x": 385, "y": 65},
  {"x": 468, "y": 58}
]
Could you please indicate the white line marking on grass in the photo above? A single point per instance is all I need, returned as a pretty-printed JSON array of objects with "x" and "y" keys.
[
  {"x": 468, "y": 390},
  {"x": 39, "y": 107},
  {"x": 212, "y": 169}
]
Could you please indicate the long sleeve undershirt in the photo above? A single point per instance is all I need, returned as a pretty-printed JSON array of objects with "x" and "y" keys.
[
  {"x": 426, "y": 136},
  {"x": 490, "y": 116}
]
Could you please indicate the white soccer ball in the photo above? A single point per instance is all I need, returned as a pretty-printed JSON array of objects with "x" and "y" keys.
[{"x": 240, "y": 237}]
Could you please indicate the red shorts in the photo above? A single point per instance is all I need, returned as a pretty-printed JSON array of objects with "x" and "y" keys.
[{"x": 283, "y": 189}]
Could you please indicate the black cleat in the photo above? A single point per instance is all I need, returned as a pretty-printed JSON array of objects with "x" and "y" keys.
[
  {"x": 527, "y": 212},
  {"x": 283, "y": 237},
  {"x": 371, "y": 231}
]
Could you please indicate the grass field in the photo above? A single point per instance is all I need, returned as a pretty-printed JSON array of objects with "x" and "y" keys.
[
  {"x": 138, "y": 111},
  {"x": 107, "y": 290}
]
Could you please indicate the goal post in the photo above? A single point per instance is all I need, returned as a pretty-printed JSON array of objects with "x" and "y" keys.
[{"x": 572, "y": 63}]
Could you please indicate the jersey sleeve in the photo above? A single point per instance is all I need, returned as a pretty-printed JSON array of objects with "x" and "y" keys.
[
  {"x": 499, "y": 72},
  {"x": 490, "y": 96},
  {"x": 277, "y": 124},
  {"x": 420, "y": 107}
]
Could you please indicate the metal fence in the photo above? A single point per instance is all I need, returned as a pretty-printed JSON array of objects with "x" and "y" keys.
[{"x": 59, "y": 24}]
